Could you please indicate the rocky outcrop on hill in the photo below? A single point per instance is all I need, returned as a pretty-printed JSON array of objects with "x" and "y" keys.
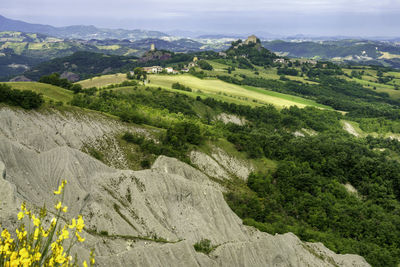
[
  {"x": 135, "y": 218},
  {"x": 20, "y": 78},
  {"x": 230, "y": 118},
  {"x": 70, "y": 76}
]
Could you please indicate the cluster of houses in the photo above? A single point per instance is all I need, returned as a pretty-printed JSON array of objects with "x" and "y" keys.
[
  {"x": 170, "y": 70},
  {"x": 300, "y": 60},
  {"x": 159, "y": 69}
]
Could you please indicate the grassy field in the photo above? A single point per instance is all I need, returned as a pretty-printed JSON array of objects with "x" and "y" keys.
[
  {"x": 388, "y": 55},
  {"x": 50, "y": 92},
  {"x": 214, "y": 87},
  {"x": 269, "y": 73},
  {"x": 109, "y": 47},
  {"x": 380, "y": 87},
  {"x": 103, "y": 80}
]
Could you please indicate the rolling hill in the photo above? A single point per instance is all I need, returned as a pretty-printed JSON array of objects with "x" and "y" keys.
[{"x": 76, "y": 31}]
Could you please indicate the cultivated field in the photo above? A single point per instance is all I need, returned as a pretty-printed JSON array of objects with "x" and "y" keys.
[
  {"x": 214, "y": 87},
  {"x": 103, "y": 80}
]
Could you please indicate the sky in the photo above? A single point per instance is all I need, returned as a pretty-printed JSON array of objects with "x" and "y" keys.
[{"x": 285, "y": 17}]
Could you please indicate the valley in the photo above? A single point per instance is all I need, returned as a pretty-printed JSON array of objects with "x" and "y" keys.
[{"x": 182, "y": 152}]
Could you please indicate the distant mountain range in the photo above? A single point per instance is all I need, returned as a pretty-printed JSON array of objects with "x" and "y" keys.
[{"x": 77, "y": 31}]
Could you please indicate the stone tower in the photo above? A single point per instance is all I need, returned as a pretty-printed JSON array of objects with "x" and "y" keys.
[{"x": 251, "y": 39}]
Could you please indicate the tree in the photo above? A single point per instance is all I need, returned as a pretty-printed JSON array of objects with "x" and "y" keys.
[
  {"x": 140, "y": 73},
  {"x": 204, "y": 65}
]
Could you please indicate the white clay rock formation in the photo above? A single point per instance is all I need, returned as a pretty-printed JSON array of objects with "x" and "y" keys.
[{"x": 138, "y": 218}]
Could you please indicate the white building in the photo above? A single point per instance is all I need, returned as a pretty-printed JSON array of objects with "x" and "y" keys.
[{"x": 154, "y": 69}]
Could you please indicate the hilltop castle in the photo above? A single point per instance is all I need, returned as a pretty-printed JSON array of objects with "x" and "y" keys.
[{"x": 251, "y": 39}]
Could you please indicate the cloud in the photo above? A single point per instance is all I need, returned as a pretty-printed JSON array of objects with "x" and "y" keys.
[{"x": 215, "y": 15}]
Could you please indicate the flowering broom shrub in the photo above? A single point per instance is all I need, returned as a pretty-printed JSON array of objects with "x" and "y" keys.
[{"x": 36, "y": 245}]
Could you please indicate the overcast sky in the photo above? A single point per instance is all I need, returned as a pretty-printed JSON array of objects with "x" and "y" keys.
[{"x": 286, "y": 17}]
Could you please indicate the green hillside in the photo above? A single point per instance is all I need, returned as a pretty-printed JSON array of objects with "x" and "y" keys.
[
  {"x": 312, "y": 129},
  {"x": 214, "y": 87},
  {"x": 50, "y": 92}
]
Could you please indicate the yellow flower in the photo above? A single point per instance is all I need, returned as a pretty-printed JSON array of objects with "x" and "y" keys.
[
  {"x": 80, "y": 239},
  {"x": 65, "y": 209},
  {"x": 54, "y": 246},
  {"x": 21, "y": 215},
  {"x": 80, "y": 224},
  {"x": 27, "y": 212},
  {"x": 92, "y": 258},
  {"x": 37, "y": 256},
  {"x": 36, "y": 234},
  {"x": 23, "y": 206},
  {"x": 5, "y": 234},
  {"x": 64, "y": 234},
  {"x": 26, "y": 262},
  {"x": 73, "y": 224},
  {"x": 60, "y": 188},
  {"x": 14, "y": 256},
  {"x": 85, "y": 264},
  {"x": 58, "y": 191},
  {"x": 58, "y": 206},
  {"x": 44, "y": 233},
  {"x": 36, "y": 221},
  {"x": 60, "y": 258},
  {"x": 23, "y": 253},
  {"x": 21, "y": 234}
]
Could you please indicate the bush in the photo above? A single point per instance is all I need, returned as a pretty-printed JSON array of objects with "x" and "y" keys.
[
  {"x": 204, "y": 246},
  {"x": 55, "y": 79},
  {"x": 179, "y": 86},
  {"x": 204, "y": 65},
  {"x": 183, "y": 132},
  {"x": 26, "y": 99},
  {"x": 96, "y": 154},
  {"x": 145, "y": 164},
  {"x": 132, "y": 116},
  {"x": 135, "y": 139}
]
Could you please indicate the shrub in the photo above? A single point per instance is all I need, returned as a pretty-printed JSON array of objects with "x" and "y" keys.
[
  {"x": 96, "y": 154},
  {"x": 26, "y": 99},
  {"x": 36, "y": 246},
  {"x": 204, "y": 246},
  {"x": 145, "y": 164},
  {"x": 55, "y": 79},
  {"x": 204, "y": 65},
  {"x": 179, "y": 86}
]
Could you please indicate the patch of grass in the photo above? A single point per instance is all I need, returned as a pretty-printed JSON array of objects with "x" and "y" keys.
[
  {"x": 96, "y": 153},
  {"x": 109, "y": 47},
  {"x": 379, "y": 87},
  {"x": 104, "y": 233},
  {"x": 50, "y": 92}
]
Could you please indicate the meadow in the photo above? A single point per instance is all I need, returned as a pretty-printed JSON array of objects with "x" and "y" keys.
[
  {"x": 50, "y": 92},
  {"x": 103, "y": 80},
  {"x": 214, "y": 87}
]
